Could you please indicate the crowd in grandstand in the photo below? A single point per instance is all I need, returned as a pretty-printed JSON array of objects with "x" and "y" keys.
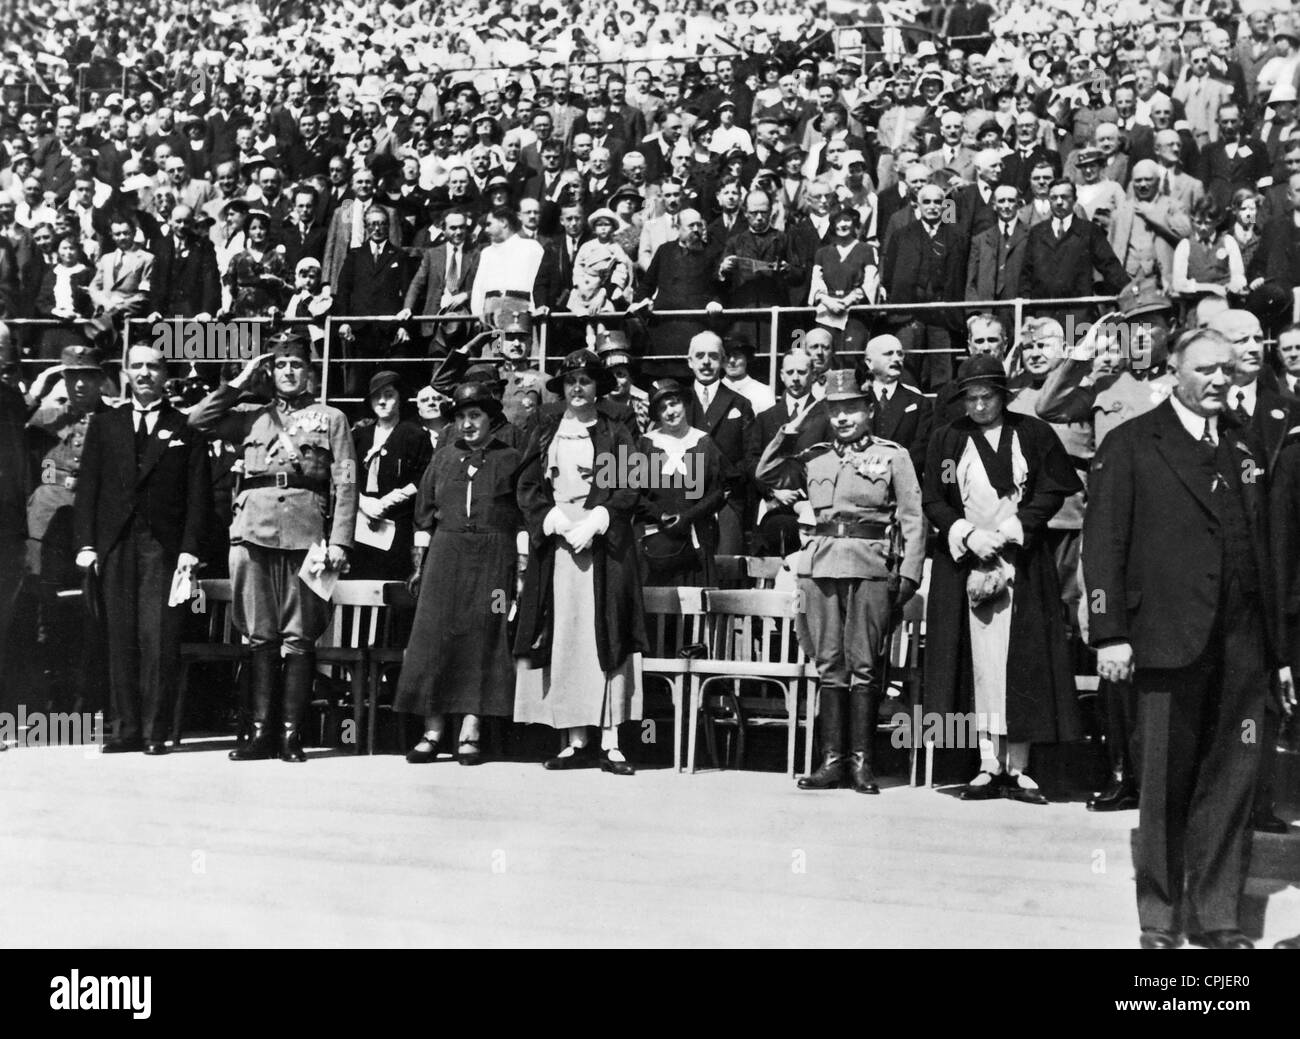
[{"x": 973, "y": 242}]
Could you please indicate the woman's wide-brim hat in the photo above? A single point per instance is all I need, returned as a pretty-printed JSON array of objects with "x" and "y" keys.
[
  {"x": 471, "y": 395},
  {"x": 982, "y": 370},
  {"x": 582, "y": 361}
]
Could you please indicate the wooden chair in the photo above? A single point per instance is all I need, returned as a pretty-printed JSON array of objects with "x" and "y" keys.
[
  {"x": 732, "y": 571},
  {"x": 222, "y": 645},
  {"x": 355, "y": 626},
  {"x": 386, "y": 655},
  {"x": 743, "y": 647},
  {"x": 763, "y": 570},
  {"x": 674, "y": 621}
]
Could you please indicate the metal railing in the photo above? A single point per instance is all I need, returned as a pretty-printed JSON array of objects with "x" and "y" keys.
[{"x": 780, "y": 323}]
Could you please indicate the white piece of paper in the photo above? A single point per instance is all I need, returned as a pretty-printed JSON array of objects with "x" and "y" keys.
[
  {"x": 315, "y": 572},
  {"x": 375, "y": 533},
  {"x": 836, "y": 321}
]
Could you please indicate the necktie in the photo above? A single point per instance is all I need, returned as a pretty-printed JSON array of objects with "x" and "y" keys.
[
  {"x": 1208, "y": 436},
  {"x": 1006, "y": 230},
  {"x": 453, "y": 276},
  {"x": 1059, "y": 227},
  {"x": 1239, "y": 407},
  {"x": 141, "y": 433},
  {"x": 706, "y": 393}
]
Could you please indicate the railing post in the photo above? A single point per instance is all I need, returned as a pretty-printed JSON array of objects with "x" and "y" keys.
[
  {"x": 542, "y": 340},
  {"x": 774, "y": 348},
  {"x": 325, "y": 360}
]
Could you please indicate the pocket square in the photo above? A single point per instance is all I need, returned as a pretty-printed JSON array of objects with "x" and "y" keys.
[
  {"x": 733, "y": 413},
  {"x": 176, "y": 443},
  {"x": 910, "y": 407}
]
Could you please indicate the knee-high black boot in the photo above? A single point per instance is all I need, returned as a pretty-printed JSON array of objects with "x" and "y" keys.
[
  {"x": 299, "y": 671},
  {"x": 264, "y": 678},
  {"x": 830, "y": 718},
  {"x": 863, "y": 704}
]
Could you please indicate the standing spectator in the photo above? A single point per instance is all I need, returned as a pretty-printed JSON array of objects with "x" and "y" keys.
[
  {"x": 900, "y": 414},
  {"x": 926, "y": 263},
  {"x": 1208, "y": 267},
  {"x": 468, "y": 525},
  {"x": 256, "y": 275},
  {"x": 372, "y": 282},
  {"x": 1232, "y": 160},
  {"x": 997, "y": 254},
  {"x": 347, "y": 229},
  {"x": 580, "y": 612},
  {"x": 1146, "y": 228},
  {"x": 845, "y": 273},
  {"x": 186, "y": 282},
  {"x": 507, "y": 270},
  {"x": 993, "y": 480},
  {"x": 442, "y": 284}
]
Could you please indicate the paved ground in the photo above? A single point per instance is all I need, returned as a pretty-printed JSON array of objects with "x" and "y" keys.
[{"x": 193, "y": 850}]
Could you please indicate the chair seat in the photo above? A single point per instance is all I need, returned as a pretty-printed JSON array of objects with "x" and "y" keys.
[
  {"x": 666, "y": 665},
  {"x": 752, "y": 669}
]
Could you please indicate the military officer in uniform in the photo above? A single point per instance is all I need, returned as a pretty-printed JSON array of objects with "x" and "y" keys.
[
  {"x": 514, "y": 346},
  {"x": 863, "y": 559},
  {"x": 614, "y": 350},
  {"x": 297, "y": 489},
  {"x": 57, "y": 435}
]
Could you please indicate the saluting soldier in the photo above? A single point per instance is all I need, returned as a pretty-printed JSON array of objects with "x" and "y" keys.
[
  {"x": 863, "y": 559},
  {"x": 56, "y": 433},
  {"x": 514, "y": 345},
  {"x": 297, "y": 489}
]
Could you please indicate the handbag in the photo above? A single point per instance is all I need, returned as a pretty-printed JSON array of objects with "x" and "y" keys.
[
  {"x": 668, "y": 554},
  {"x": 989, "y": 580}
]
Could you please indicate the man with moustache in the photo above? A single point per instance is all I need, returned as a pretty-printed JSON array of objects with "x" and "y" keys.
[{"x": 142, "y": 500}]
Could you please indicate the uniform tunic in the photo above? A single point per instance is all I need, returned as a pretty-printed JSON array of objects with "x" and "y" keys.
[
  {"x": 273, "y": 527},
  {"x": 844, "y": 615},
  {"x": 59, "y": 433},
  {"x": 458, "y": 659}
]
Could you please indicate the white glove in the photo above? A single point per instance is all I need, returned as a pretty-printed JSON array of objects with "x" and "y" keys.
[{"x": 87, "y": 559}]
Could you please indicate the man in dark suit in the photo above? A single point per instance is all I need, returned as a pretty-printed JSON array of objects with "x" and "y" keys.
[
  {"x": 1060, "y": 257},
  {"x": 778, "y": 529},
  {"x": 555, "y": 274},
  {"x": 1180, "y": 585},
  {"x": 302, "y": 235},
  {"x": 975, "y": 201},
  {"x": 997, "y": 254},
  {"x": 442, "y": 284},
  {"x": 1027, "y": 154},
  {"x": 143, "y": 497},
  {"x": 185, "y": 278},
  {"x": 373, "y": 281},
  {"x": 1280, "y": 243},
  {"x": 721, "y": 412},
  {"x": 1267, "y": 415},
  {"x": 310, "y": 155},
  {"x": 925, "y": 262},
  {"x": 1234, "y": 160},
  {"x": 900, "y": 413},
  {"x": 56, "y": 168}
]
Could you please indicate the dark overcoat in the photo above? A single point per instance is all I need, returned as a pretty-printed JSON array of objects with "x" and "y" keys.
[
  {"x": 1041, "y": 706},
  {"x": 620, "y": 616}
]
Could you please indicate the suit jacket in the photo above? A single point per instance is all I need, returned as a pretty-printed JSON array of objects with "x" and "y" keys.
[
  {"x": 554, "y": 279},
  {"x": 56, "y": 173},
  {"x": 1016, "y": 167},
  {"x": 973, "y": 213},
  {"x": 188, "y": 285},
  {"x": 964, "y": 165},
  {"x": 1281, "y": 249},
  {"x": 298, "y": 246},
  {"x": 1169, "y": 223},
  {"x": 993, "y": 270},
  {"x": 170, "y": 488},
  {"x": 815, "y": 429},
  {"x": 310, "y": 158},
  {"x": 906, "y": 419},
  {"x": 338, "y": 240},
  {"x": 424, "y": 294},
  {"x": 728, "y": 420},
  {"x": 1152, "y": 556},
  {"x": 1063, "y": 269},
  {"x": 370, "y": 285},
  {"x": 1276, "y": 414},
  {"x": 901, "y": 265},
  {"x": 1222, "y": 175},
  {"x": 126, "y": 277}
]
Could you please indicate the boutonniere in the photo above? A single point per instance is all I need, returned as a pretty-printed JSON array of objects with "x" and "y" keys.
[
  {"x": 1277, "y": 413},
  {"x": 1160, "y": 392},
  {"x": 164, "y": 434}
]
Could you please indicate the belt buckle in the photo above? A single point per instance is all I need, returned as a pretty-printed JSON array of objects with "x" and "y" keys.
[
  {"x": 841, "y": 529},
  {"x": 282, "y": 481}
]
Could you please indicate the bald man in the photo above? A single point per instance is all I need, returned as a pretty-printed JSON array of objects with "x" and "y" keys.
[
  {"x": 143, "y": 498},
  {"x": 1266, "y": 415},
  {"x": 1146, "y": 227}
]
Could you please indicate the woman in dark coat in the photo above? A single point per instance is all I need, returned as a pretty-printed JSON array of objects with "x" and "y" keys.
[
  {"x": 64, "y": 294},
  {"x": 845, "y": 274},
  {"x": 391, "y": 458},
  {"x": 679, "y": 510},
  {"x": 581, "y": 619},
  {"x": 992, "y": 481},
  {"x": 458, "y": 660}
]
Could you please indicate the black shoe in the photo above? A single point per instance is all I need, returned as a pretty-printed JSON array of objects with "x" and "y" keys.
[
  {"x": 1289, "y": 943},
  {"x": 830, "y": 776},
  {"x": 1267, "y": 822},
  {"x": 1154, "y": 938},
  {"x": 416, "y": 756},
  {"x": 260, "y": 748},
  {"x": 291, "y": 747},
  {"x": 1231, "y": 939},
  {"x": 472, "y": 756},
  {"x": 1120, "y": 796},
  {"x": 989, "y": 791},
  {"x": 582, "y": 757},
  {"x": 617, "y": 768},
  {"x": 860, "y": 777},
  {"x": 154, "y": 747},
  {"x": 130, "y": 745},
  {"x": 1013, "y": 791}
]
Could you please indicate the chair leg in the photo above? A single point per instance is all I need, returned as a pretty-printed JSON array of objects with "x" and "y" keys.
[
  {"x": 694, "y": 724},
  {"x": 679, "y": 716},
  {"x": 356, "y": 685},
  {"x": 792, "y": 708},
  {"x": 929, "y": 763},
  {"x": 374, "y": 676}
]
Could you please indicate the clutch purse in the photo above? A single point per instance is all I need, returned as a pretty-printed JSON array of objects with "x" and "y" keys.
[{"x": 989, "y": 580}]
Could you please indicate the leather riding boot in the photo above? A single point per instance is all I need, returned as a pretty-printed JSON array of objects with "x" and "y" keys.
[
  {"x": 264, "y": 677},
  {"x": 863, "y": 704},
  {"x": 299, "y": 672},
  {"x": 830, "y": 718}
]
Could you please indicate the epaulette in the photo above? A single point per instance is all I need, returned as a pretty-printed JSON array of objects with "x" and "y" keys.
[{"x": 811, "y": 452}]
